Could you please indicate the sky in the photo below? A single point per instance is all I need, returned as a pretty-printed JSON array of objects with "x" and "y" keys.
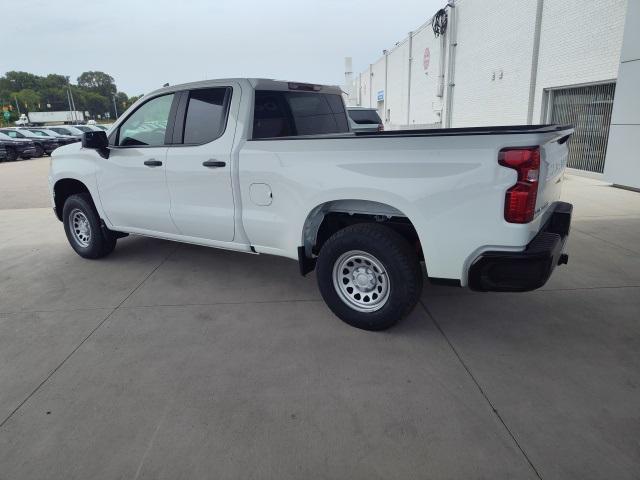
[{"x": 146, "y": 43}]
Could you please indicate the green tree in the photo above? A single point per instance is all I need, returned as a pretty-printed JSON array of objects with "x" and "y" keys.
[
  {"x": 95, "y": 103},
  {"x": 28, "y": 99},
  {"x": 95, "y": 92},
  {"x": 56, "y": 97},
  {"x": 98, "y": 82},
  {"x": 54, "y": 81},
  {"x": 16, "y": 81},
  {"x": 101, "y": 83}
]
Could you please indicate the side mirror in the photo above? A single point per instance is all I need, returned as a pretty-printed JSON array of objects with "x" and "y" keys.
[{"x": 97, "y": 141}]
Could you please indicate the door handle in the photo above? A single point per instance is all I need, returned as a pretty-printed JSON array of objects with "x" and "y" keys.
[
  {"x": 214, "y": 163},
  {"x": 152, "y": 162}
]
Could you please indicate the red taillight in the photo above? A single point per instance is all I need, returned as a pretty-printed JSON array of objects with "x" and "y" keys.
[
  {"x": 380, "y": 127},
  {"x": 520, "y": 200}
]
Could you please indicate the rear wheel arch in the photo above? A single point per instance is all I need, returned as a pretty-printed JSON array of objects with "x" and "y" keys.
[{"x": 329, "y": 217}]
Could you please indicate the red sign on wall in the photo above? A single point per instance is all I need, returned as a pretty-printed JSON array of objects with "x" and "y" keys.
[{"x": 426, "y": 59}]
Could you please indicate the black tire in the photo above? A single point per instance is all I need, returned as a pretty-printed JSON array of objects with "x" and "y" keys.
[
  {"x": 39, "y": 151},
  {"x": 98, "y": 243},
  {"x": 399, "y": 261},
  {"x": 12, "y": 155}
]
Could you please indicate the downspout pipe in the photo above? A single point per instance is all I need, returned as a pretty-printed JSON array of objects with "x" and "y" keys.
[
  {"x": 387, "y": 115},
  {"x": 453, "y": 43},
  {"x": 534, "y": 61},
  {"x": 409, "y": 79},
  {"x": 441, "y": 64},
  {"x": 370, "y": 85}
]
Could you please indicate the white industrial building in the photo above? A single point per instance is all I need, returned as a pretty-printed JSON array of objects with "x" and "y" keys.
[{"x": 505, "y": 63}]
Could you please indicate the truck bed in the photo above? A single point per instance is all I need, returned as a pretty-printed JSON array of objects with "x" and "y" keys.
[{"x": 438, "y": 132}]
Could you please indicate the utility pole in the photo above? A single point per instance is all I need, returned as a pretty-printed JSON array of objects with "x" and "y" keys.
[
  {"x": 69, "y": 101},
  {"x": 115, "y": 107},
  {"x": 17, "y": 105},
  {"x": 72, "y": 104}
]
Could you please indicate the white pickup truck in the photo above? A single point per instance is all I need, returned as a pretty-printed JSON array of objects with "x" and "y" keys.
[{"x": 264, "y": 166}]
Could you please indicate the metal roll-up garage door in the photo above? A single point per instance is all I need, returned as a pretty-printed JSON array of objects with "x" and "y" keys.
[{"x": 588, "y": 108}]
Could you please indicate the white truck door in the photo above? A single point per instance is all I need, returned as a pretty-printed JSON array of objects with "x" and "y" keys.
[
  {"x": 132, "y": 181},
  {"x": 199, "y": 163}
]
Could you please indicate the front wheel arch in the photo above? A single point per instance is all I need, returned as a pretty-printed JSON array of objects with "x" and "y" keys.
[{"x": 63, "y": 189}]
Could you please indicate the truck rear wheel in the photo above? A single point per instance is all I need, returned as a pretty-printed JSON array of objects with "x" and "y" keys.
[
  {"x": 369, "y": 276},
  {"x": 84, "y": 229}
]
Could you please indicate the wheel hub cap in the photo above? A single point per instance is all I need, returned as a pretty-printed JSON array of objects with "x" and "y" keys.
[
  {"x": 361, "y": 281},
  {"x": 80, "y": 227}
]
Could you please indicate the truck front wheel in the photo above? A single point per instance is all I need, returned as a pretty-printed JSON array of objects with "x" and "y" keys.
[
  {"x": 83, "y": 228},
  {"x": 369, "y": 276}
]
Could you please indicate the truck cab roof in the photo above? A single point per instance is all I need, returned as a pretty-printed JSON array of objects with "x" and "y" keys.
[{"x": 256, "y": 84}]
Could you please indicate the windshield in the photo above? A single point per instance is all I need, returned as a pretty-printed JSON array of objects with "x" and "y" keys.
[
  {"x": 101, "y": 127},
  {"x": 82, "y": 128},
  {"x": 4, "y": 136},
  {"x": 362, "y": 117}
]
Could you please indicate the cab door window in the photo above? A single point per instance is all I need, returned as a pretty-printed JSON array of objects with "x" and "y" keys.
[{"x": 147, "y": 126}]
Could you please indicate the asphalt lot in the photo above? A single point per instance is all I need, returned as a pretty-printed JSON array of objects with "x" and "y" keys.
[{"x": 175, "y": 361}]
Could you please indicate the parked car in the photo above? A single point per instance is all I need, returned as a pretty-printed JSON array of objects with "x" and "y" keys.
[
  {"x": 43, "y": 145},
  {"x": 277, "y": 171},
  {"x": 103, "y": 126},
  {"x": 87, "y": 128},
  {"x": 362, "y": 119},
  {"x": 62, "y": 139},
  {"x": 67, "y": 130},
  {"x": 17, "y": 147},
  {"x": 3, "y": 152}
]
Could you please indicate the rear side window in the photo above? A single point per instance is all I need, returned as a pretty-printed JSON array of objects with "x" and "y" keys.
[
  {"x": 283, "y": 114},
  {"x": 206, "y": 115},
  {"x": 13, "y": 134},
  {"x": 363, "y": 117}
]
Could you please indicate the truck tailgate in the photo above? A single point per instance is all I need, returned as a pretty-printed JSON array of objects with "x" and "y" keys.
[{"x": 553, "y": 161}]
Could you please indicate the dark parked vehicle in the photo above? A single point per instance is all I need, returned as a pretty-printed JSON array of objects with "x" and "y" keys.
[
  {"x": 364, "y": 119},
  {"x": 67, "y": 130},
  {"x": 17, "y": 147},
  {"x": 3, "y": 153},
  {"x": 63, "y": 139},
  {"x": 43, "y": 145}
]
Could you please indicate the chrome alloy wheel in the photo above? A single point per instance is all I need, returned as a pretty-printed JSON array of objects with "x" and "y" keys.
[
  {"x": 361, "y": 281},
  {"x": 80, "y": 227}
]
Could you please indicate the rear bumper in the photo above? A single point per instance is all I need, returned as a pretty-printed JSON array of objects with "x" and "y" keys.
[{"x": 501, "y": 271}]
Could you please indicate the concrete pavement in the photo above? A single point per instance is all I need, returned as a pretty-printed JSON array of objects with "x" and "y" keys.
[{"x": 175, "y": 361}]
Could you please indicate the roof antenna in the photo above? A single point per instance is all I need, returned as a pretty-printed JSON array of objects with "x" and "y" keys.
[{"x": 165, "y": 85}]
